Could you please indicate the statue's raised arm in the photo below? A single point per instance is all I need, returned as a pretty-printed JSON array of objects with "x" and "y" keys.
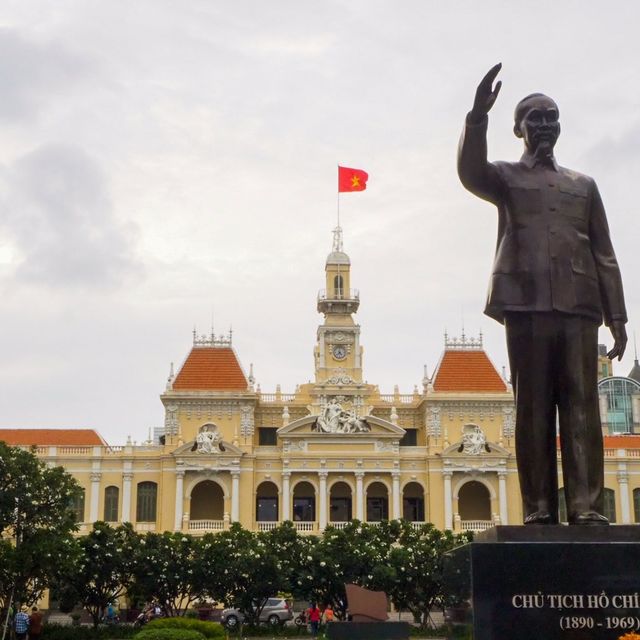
[
  {"x": 475, "y": 172},
  {"x": 486, "y": 95}
]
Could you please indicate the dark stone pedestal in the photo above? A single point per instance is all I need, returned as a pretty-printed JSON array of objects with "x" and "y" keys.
[
  {"x": 368, "y": 631},
  {"x": 552, "y": 582}
]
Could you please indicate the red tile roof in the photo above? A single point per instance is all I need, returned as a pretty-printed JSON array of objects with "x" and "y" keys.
[
  {"x": 211, "y": 369},
  {"x": 622, "y": 442},
  {"x": 52, "y": 437},
  {"x": 465, "y": 370}
]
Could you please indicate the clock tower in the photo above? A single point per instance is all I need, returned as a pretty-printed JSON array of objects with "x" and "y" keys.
[{"x": 338, "y": 354}]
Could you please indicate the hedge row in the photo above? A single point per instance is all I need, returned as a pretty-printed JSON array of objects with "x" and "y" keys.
[
  {"x": 66, "y": 632},
  {"x": 169, "y": 634},
  {"x": 207, "y": 629}
]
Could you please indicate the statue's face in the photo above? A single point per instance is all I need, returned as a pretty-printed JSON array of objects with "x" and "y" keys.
[{"x": 539, "y": 125}]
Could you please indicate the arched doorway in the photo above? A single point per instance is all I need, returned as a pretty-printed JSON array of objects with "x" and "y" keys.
[
  {"x": 413, "y": 502},
  {"x": 207, "y": 502},
  {"x": 267, "y": 502},
  {"x": 304, "y": 502},
  {"x": 340, "y": 502},
  {"x": 377, "y": 502},
  {"x": 474, "y": 502}
]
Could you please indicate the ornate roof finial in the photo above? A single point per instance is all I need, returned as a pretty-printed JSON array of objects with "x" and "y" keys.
[
  {"x": 212, "y": 340},
  {"x": 252, "y": 380},
  {"x": 171, "y": 377},
  {"x": 337, "y": 239}
]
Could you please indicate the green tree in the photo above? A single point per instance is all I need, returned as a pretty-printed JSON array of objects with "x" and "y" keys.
[
  {"x": 243, "y": 569},
  {"x": 102, "y": 572},
  {"x": 416, "y": 569},
  {"x": 355, "y": 554},
  {"x": 36, "y": 524},
  {"x": 166, "y": 569}
]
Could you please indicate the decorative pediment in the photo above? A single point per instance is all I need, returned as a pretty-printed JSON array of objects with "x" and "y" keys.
[
  {"x": 372, "y": 427},
  {"x": 222, "y": 449},
  {"x": 474, "y": 443}
]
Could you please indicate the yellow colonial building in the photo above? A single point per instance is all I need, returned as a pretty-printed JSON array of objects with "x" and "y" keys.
[{"x": 334, "y": 450}]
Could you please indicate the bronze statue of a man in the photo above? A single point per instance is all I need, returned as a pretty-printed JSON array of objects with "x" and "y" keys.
[{"x": 555, "y": 277}]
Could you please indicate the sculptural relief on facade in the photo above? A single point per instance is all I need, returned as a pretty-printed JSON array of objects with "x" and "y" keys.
[
  {"x": 246, "y": 421},
  {"x": 334, "y": 418},
  {"x": 209, "y": 440},
  {"x": 171, "y": 419},
  {"x": 508, "y": 422},
  {"x": 433, "y": 422},
  {"x": 474, "y": 442}
]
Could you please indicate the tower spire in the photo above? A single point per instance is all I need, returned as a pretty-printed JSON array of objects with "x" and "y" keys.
[{"x": 337, "y": 239}]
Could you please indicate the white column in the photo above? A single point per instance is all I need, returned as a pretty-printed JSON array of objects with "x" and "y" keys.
[
  {"x": 625, "y": 505},
  {"x": 448, "y": 500},
  {"x": 235, "y": 496},
  {"x": 395, "y": 491},
  {"x": 95, "y": 496},
  {"x": 286, "y": 496},
  {"x": 359, "y": 496},
  {"x": 502, "y": 497},
  {"x": 177, "y": 522},
  {"x": 126, "y": 496},
  {"x": 604, "y": 409},
  {"x": 322, "y": 476},
  {"x": 635, "y": 408}
]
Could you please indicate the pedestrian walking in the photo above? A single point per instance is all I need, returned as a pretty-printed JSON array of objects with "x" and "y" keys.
[
  {"x": 314, "y": 619},
  {"x": 21, "y": 623},
  {"x": 35, "y": 624}
]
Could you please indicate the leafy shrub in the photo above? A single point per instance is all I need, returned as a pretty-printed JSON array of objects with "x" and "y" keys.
[
  {"x": 65, "y": 632},
  {"x": 207, "y": 629},
  {"x": 249, "y": 631},
  {"x": 169, "y": 634}
]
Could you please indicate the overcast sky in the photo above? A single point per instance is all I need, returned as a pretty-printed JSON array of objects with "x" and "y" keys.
[{"x": 162, "y": 162}]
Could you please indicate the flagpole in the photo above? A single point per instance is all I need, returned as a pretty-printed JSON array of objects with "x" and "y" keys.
[
  {"x": 338, "y": 195},
  {"x": 339, "y": 283}
]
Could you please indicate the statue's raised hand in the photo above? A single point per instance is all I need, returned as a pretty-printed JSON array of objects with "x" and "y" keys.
[{"x": 486, "y": 94}]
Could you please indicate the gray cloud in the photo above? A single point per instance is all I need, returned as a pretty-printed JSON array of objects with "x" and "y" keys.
[
  {"x": 34, "y": 75},
  {"x": 59, "y": 217}
]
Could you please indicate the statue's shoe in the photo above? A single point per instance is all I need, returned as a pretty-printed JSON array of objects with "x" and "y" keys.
[
  {"x": 588, "y": 518},
  {"x": 539, "y": 517}
]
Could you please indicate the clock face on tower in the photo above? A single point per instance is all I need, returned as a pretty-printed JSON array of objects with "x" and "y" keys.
[{"x": 339, "y": 352}]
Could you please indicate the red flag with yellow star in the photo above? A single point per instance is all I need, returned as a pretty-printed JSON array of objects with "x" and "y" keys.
[{"x": 352, "y": 179}]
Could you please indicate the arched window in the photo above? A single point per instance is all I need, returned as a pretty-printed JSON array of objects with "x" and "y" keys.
[
  {"x": 267, "y": 502},
  {"x": 474, "y": 502},
  {"x": 207, "y": 501},
  {"x": 377, "y": 502},
  {"x": 304, "y": 502},
  {"x": 111, "y": 495},
  {"x": 610, "y": 505},
  {"x": 413, "y": 502},
  {"x": 338, "y": 286},
  {"x": 77, "y": 505},
  {"x": 340, "y": 502},
  {"x": 636, "y": 505},
  {"x": 146, "y": 507}
]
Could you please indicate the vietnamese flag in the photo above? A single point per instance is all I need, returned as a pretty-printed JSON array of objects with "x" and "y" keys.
[{"x": 351, "y": 179}]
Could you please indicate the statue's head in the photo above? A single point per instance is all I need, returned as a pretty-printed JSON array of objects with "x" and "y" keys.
[{"x": 537, "y": 121}]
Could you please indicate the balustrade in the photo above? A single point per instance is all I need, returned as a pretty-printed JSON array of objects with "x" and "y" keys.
[{"x": 206, "y": 525}]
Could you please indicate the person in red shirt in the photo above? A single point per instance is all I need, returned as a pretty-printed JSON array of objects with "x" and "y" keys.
[
  {"x": 313, "y": 615},
  {"x": 35, "y": 624}
]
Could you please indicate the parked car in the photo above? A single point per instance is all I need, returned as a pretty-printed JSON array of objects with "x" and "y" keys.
[{"x": 277, "y": 611}]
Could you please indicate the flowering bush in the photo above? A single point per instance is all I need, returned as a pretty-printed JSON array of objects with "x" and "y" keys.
[{"x": 630, "y": 636}]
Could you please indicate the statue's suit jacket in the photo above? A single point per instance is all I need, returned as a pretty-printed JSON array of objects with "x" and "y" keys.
[{"x": 553, "y": 251}]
